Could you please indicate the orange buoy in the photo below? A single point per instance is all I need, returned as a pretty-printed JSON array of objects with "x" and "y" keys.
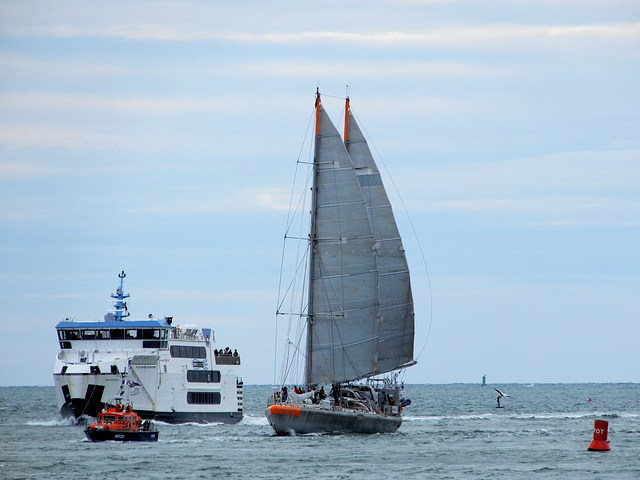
[{"x": 600, "y": 432}]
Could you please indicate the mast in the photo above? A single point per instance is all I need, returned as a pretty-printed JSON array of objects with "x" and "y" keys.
[
  {"x": 119, "y": 305},
  {"x": 312, "y": 242}
]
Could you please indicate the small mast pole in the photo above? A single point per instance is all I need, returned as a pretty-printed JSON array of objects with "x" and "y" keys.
[{"x": 312, "y": 242}]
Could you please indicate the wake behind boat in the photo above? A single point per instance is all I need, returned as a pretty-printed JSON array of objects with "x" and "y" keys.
[{"x": 358, "y": 313}]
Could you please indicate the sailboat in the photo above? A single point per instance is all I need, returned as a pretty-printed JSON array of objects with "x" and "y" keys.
[{"x": 359, "y": 315}]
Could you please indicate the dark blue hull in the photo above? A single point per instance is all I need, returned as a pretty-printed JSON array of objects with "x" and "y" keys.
[{"x": 121, "y": 436}]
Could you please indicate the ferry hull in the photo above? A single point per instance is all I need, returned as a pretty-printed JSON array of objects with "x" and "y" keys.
[
  {"x": 288, "y": 420},
  {"x": 78, "y": 408},
  {"x": 192, "y": 417},
  {"x": 98, "y": 390}
]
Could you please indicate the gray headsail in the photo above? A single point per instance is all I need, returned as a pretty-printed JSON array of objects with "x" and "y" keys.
[
  {"x": 396, "y": 314},
  {"x": 360, "y": 319}
]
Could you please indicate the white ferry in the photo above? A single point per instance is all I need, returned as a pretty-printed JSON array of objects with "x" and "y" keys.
[{"x": 167, "y": 372}]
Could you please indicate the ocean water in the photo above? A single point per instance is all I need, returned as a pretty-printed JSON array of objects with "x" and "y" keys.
[{"x": 449, "y": 432}]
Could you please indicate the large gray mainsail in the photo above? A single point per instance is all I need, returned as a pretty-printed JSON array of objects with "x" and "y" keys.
[
  {"x": 360, "y": 319},
  {"x": 342, "y": 332},
  {"x": 396, "y": 314}
]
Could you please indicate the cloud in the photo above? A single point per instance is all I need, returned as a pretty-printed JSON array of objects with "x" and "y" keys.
[
  {"x": 544, "y": 204},
  {"x": 218, "y": 199},
  {"x": 123, "y": 103},
  {"x": 21, "y": 135},
  {"x": 571, "y": 188},
  {"x": 592, "y": 171},
  {"x": 496, "y": 35},
  {"x": 375, "y": 69},
  {"x": 13, "y": 170},
  {"x": 189, "y": 25}
]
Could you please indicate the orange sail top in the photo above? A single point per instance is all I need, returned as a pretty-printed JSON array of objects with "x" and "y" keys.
[
  {"x": 317, "y": 112},
  {"x": 346, "y": 120}
]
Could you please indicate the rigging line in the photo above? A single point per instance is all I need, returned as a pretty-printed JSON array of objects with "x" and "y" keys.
[
  {"x": 341, "y": 97},
  {"x": 298, "y": 351},
  {"x": 291, "y": 211},
  {"x": 289, "y": 289},
  {"x": 288, "y": 361},
  {"x": 415, "y": 233},
  {"x": 289, "y": 215}
]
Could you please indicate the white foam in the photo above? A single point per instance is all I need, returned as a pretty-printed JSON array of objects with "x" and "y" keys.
[
  {"x": 59, "y": 422},
  {"x": 254, "y": 420}
]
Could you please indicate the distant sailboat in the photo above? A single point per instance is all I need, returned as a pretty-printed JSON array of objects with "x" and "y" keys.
[{"x": 359, "y": 311}]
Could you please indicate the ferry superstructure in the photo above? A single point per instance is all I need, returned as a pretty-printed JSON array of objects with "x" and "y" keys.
[{"x": 167, "y": 372}]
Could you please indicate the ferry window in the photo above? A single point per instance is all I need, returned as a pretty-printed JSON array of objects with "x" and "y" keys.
[
  {"x": 149, "y": 334},
  {"x": 69, "y": 334},
  {"x": 117, "y": 334},
  {"x": 183, "y": 351},
  {"x": 204, "y": 398},
  {"x": 163, "y": 333},
  {"x": 88, "y": 334},
  {"x": 132, "y": 334},
  {"x": 203, "y": 376},
  {"x": 103, "y": 335}
]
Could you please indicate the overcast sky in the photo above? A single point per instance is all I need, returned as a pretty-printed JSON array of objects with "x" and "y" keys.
[{"x": 161, "y": 138}]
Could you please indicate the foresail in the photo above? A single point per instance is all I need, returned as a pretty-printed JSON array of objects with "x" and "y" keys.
[
  {"x": 343, "y": 326},
  {"x": 396, "y": 315}
]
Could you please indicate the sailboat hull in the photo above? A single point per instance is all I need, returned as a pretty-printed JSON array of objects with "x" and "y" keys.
[{"x": 290, "y": 420}]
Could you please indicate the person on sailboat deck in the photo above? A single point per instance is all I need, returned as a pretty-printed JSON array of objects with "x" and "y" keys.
[
  {"x": 284, "y": 394},
  {"x": 335, "y": 392}
]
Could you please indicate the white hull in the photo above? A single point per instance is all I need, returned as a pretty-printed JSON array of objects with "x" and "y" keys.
[{"x": 158, "y": 396}]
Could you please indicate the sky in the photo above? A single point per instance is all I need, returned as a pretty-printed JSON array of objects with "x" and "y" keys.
[{"x": 160, "y": 138}]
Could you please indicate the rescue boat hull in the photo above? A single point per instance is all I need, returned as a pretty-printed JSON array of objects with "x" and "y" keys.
[{"x": 120, "y": 436}]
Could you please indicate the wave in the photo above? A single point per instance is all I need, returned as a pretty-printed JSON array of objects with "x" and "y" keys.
[
  {"x": 254, "y": 420},
  {"x": 59, "y": 422},
  {"x": 520, "y": 416},
  {"x": 189, "y": 424},
  {"x": 437, "y": 418}
]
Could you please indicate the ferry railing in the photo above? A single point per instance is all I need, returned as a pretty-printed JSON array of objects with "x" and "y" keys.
[{"x": 226, "y": 359}]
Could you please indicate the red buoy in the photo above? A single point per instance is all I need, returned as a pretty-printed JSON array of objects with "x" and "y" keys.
[{"x": 600, "y": 432}]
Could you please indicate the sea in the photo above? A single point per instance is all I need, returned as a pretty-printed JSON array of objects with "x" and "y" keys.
[{"x": 449, "y": 432}]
